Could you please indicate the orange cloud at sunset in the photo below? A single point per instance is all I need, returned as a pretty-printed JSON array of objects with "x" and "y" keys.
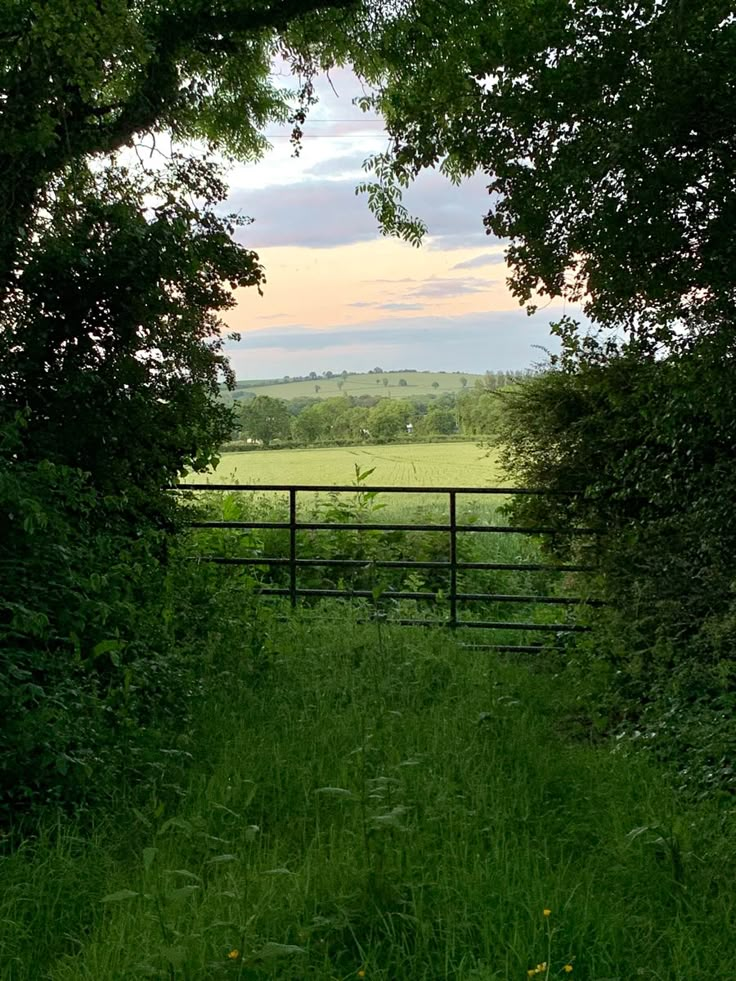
[{"x": 354, "y": 284}]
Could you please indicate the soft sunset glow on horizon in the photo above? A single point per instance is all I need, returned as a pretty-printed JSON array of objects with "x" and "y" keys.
[
  {"x": 350, "y": 284},
  {"x": 339, "y": 293}
]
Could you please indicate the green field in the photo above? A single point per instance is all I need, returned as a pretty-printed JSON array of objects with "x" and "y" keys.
[
  {"x": 417, "y": 383},
  {"x": 398, "y": 465}
]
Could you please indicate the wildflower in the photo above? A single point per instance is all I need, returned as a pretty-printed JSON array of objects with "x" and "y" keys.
[
  {"x": 547, "y": 912},
  {"x": 361, "y": 973},
  {"x": 531, "y": 972},
  {"x": 567, "y": 968},
  {"x": 541, "y": 967},
  {"x": 234, "y": 955}
]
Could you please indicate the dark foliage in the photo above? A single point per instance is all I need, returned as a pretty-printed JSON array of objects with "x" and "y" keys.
[
  {"x": 83, "y": 672},
  {"x": 648, "y": 443},
  {"x": 607, "y": 133},
  {"x": 110, "y": 344}
]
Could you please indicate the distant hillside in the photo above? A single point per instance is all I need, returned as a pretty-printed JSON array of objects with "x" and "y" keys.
[{"x": 399, "y": 383}]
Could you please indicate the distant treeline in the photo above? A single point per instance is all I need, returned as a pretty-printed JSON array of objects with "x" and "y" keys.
[
  {"x": 329, "y": 383},
  {"x": 317, "y": 375},
  {"x": 308, "y": 421}
]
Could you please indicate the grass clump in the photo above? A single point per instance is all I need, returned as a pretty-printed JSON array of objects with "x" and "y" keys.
[{"x": 364, "y": 801}]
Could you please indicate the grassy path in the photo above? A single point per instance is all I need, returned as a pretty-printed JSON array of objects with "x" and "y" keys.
[{"x": 382, "y": 804}]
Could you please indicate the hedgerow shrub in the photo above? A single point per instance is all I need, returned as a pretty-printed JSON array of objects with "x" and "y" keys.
[
  {"x": 649, "y": 445},
  {"x": 103, "y": 645}
]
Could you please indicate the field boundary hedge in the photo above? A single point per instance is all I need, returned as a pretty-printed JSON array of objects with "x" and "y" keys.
[{"x": 241, "y": 446}]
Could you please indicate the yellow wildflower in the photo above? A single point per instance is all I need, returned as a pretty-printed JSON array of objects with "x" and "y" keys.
[
  {"x": 567, "y": 968},
  {"x": 547, "y": 912},
  {"x": 361, "y": 973},
  {"x": 234, "y": 955},
  {"x": 531, "y": 972}
]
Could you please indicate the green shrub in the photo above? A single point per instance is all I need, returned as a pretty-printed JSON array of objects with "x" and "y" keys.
[
  {"x": 101, "y": 641},
  {"x": 648, "y": 444}
]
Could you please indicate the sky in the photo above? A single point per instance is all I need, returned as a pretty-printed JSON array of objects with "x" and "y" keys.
[{"x": 339, "y": 295}]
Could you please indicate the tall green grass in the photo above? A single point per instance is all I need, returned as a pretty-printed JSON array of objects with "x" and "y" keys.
[{"x": 363, "y": 801}]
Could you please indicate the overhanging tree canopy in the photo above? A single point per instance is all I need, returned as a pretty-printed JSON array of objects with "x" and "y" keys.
[
  {"x": 608, "y": 133},
  {"x": 111, "y": 278},
  {"x": 83, "y": 77}
]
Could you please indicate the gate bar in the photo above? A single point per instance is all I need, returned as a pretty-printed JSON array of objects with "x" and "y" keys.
[
  {"x": 380, "y": 488},
  {"x": 395, "y": 564},
  {"x": 292, "y": 546},
  {"x": 453, "y": 559},
  {"x": 373, "y": 526}
]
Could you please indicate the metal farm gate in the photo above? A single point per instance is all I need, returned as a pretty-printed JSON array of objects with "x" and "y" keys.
[{"x": 451, "y": 565}]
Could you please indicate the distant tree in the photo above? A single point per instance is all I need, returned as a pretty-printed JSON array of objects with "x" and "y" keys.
[
  {"x": 402, "y": 382},
  {"x": 344, "y": 375},
  {"x": 491, "y": 380},
  {"x": 464, "y": 382},
  {"x": 351, "y": 424},
  {"x": 388, "y": 419},
  {"x": 435, "y": 384},
  {"x": 438, "y": 420},
  {"x": 330, "y": 418},
  {"x": 313, "y": 375},
  {"x": 307, "y": 426},
  {"x": 385, "y": 382},
  {"x": 329, "y": 374},
  {"x": 317, "y": 388},
  {"x": 367, "y": 401},
  {"x": 447, "y": 400},
  {"x": 340, "y": 385},
  {"x": 298, "y": 405},
  {"x": 478, "y": 411},
  {"x": 265, "y": 419},
  {"x": 378, "y": 371}
]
